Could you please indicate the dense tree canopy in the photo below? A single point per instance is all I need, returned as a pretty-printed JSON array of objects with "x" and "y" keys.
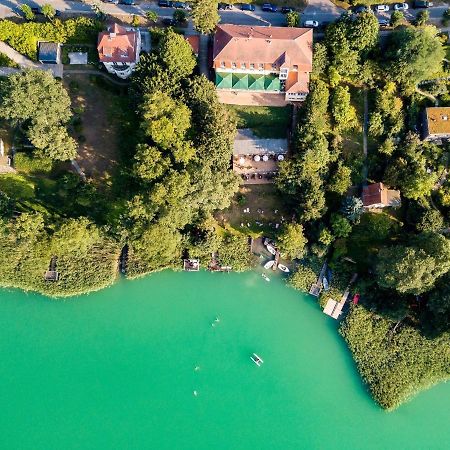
[
  {"x": 205, "y": 16},
  {"x": 292, "y": 241},
  {"x": 414, "y": 268}
]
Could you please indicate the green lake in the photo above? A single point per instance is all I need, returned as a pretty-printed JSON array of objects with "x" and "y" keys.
[{"x": 115, "y": 370}]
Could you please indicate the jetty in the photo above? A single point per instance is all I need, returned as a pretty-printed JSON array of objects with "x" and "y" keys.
[
  {"x": 316, "y": 287},
  {"x": 51, "y": 274},
  {"x": 334, "y": 308}
]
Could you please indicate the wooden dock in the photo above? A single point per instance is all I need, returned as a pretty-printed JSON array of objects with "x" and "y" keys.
[
  {"x": 334, "y": 308},
  {"x": 316, "y": 287}
]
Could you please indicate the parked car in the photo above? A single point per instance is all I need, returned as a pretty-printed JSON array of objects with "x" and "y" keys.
[
  {"x": 381, "y": 8},
  {"x": 225, "y": 6},
  {"x": 127, "y": 2},
  {"x": 165, "y": 4},
  {"x": 114, "y": 2},
  {"x": 247, "y": 7},
  {"x": 383, "y": 23},
  {"x": 422, "y": 4},
  {"x": 268, "y": 7},
  {"x": 287, "y": 9},
  {"x": 311, "y": 24},
  {"x": 180, "y": 5},
  {"x": 401, "y": 6},
  {"x": 169, "y": 22},
  {"x": 360, "y": 9}
]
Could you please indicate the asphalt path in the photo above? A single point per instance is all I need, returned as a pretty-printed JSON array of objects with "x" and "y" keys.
[{"x": 320, "y": 10}]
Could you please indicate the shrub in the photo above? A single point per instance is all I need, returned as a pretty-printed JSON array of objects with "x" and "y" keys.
[
  {"x": 302, "y": 278},
  {"x": 27, "y": 163}
]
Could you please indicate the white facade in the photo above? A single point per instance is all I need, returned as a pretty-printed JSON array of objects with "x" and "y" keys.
[{"x": 124, "y": 70}]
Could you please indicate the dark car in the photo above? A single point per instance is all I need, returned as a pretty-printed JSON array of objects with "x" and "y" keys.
[
  {"x": 268, "y": 7},
  {"x": 360, "y": 9},
  {"x": 247, "y": 7},
  {"x": 225, "y": 6},
  {"x": 180, "y": 5},
  {"x": 383, "y": 23},
  {"x": 287, "y": 9},
  {"x": 422, "y": 4},
  {"x": 38, "y": 11},
  {"x": 169, "y": 22},
  {"x": 127, "y": 2},
  {"x": 165, "y": 4}
]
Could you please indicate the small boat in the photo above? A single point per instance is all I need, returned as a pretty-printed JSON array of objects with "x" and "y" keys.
[
  {"x": 283, "y": 268},
  {"x": 265, "y": 277},
  {"x": 269, "y": 264},
  {"x": 271, "y": 249},
  {"x": 256, "y": 359},
  {"x": 325, "y": 284}
]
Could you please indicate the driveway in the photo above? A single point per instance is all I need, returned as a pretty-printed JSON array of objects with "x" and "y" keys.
[{"x": 322, "y": 11}]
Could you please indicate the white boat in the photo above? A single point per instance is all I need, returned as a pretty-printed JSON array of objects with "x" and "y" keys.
[
  {"x": 269, "y": 264},
  {"x": 325, "y": 283},
  {"x": 271, "y": 249},
  {"x": 256, "y": 359},
  {"x": 283, "y": 268},
  {"x": 265, "y": 277}
]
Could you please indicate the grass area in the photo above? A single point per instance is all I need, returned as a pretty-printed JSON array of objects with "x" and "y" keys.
[
  {"x": 262, "y": 197},
  {"x": 264, "y": 121},
  {"x": 352, "y": 144}
]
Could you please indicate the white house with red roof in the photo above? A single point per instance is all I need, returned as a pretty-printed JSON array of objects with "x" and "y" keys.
[
  {"x": 275, "y": 60},
  {"x": 118, "y": 49}
]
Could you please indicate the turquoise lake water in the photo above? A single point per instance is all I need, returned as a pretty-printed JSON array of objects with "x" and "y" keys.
[{"x": 115, "y": 370}]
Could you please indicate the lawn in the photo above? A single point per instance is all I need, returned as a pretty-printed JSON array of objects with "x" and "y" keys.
[
  {"x": 266, "y": 210},
  {"x": 265, "y": 121}
]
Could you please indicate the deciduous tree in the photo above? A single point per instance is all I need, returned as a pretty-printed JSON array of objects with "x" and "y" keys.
[
  {"x": 292, "y": 241},
  {"x": 205, "y": 16}
]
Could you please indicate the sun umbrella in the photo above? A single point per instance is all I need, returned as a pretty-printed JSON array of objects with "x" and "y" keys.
[
  {"x": 256, "y": 158},
  {"x": 265, "y": 158},
  {"x": 280, "y": 157}
]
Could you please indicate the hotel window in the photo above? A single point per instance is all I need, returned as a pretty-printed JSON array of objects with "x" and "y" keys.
[
  {"x": 252, "y": 66},
  {"x": 233, "y": 65},
  {"x": 261, "y": 66},
  {"x": 243, "y": 66},
  {"x": 274, "y": 67},
  {"x": 295, "y": 67},
  {"x": 222, "y": 64}
]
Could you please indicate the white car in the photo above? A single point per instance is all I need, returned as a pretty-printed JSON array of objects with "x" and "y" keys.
[
  {"x": 382, "y": 8},
  {"x": 311, "y": 24},
  {"x": 401, "y": 6}
]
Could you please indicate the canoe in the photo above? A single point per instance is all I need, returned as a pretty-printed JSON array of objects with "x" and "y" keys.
[
  {"x": 283, "y": 268},
  {"x": 269, "y": 264}
]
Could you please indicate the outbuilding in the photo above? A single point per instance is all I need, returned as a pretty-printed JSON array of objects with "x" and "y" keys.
[{"x": 49, "y": 53}]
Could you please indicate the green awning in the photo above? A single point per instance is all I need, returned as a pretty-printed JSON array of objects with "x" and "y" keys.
[
  {"x": 256, "y": 82},
  {"x": 272, "y": 83},
  {"x": 240, "y": 81},
  {"x": 223, "y": 80}
]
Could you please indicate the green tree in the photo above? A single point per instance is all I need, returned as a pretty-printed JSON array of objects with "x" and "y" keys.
[
  {"x": 205, "y": 16},
  {"x": 414, "y": 55},
  {"x": 292, "y": 19},
  {"x": 430, "y": 220},
  {"x": 302, "y": 278},
  {"x": 34, "y": 95},
  {"x": 352, "y": 208},
  {"x": 292, "y": 241},
  {"x": 179, "y": 16},
  {"x": 52, "y": 141},
  {"x": 343, "y": 112},
  {"x": 28, "y": 227},
  {"x": 422, "y": 18},
  {"x": 151, "y": 16},
  {"x": 27, "y": 12},
  {"x": 325, "y": 236},
  {"x": 176, "y": 56},
  {"x": 341, "y": 226},
  {"x": 397, "y": 18},
  {"x": 414, "y": 269},
  {"x": 48, "y": 11},
  {"x": 340, "y": 180},
  {"x": 150, "y": 163},
  {"x": 320, "y": 60},
  {"x": 6, "y": 205}
]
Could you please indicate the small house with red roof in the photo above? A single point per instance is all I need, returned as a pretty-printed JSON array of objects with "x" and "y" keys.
[
  {"x": 118, "y": 49},
  {"x": 377, "y": 195},
  {"x": 275, "y": 60}
]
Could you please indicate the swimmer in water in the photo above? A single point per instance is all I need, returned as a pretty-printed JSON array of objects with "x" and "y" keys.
[
  {"x": 197, "y": 368},
  {"x": 217, "y": 319},
  {"x": 195, "y": 393}
]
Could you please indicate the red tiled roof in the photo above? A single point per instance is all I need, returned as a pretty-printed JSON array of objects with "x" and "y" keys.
[
  {"x": 194, "y": 41},
  {"x": 117, "y": 45},
  {"x": 374, "y": 194},
  {"x": 297, "y": 82},
  {"x": 264, "y": 45}
]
